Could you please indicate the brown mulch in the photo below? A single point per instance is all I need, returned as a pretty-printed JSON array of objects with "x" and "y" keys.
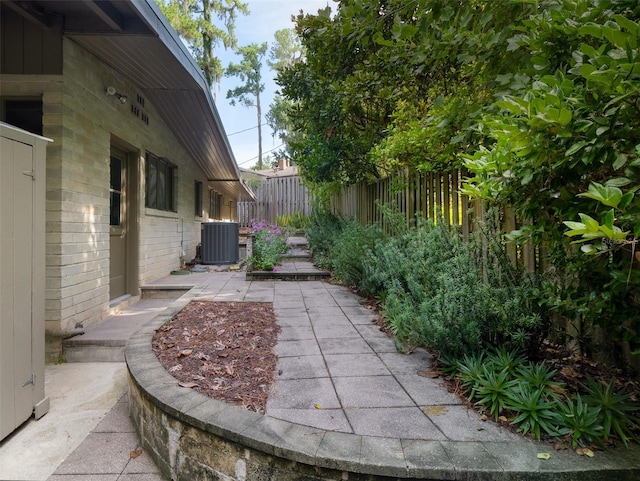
[{"x": 223, "y": 350}]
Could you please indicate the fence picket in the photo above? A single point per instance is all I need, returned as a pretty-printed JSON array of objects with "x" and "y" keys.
[{"x": 275, "y": 196}]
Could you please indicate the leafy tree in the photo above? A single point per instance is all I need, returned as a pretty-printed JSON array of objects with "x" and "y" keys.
[
  {"x": 285, "y": 52},
  {"x": 248, "y": 94},
  {"x": 195, "y": 22},
  {"x": 566, "y": 147},
  {"x": 393, "y": 83}
]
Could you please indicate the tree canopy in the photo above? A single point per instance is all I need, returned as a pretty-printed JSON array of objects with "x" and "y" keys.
[
  {"x": 286, "y": 51},
  {"x": 249, "y": 71},
  {"x": 384, "y": 80},
  {"x": 205, "y": 25}
]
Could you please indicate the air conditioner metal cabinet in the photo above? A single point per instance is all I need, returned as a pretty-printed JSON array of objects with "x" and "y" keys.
[{"x": 220, "y": 243}]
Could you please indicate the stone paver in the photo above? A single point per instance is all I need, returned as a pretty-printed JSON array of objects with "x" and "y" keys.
[{"x": 111, "y": 452}]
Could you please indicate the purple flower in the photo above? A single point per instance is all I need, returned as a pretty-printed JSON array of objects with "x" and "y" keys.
[
  {"x": 275, "y": 268},
  {"x": 267, "y": 239}
]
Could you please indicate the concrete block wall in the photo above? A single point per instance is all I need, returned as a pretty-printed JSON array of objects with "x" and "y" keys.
[{"x": 83, "y": 123}]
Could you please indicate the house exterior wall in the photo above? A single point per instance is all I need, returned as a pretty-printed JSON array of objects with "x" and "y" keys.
[{"x": 83, "y": 123}]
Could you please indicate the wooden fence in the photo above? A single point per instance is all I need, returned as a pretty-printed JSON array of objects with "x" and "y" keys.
[
  {"x": 430, "y": 196},
  {"x": 275, "y": 196}
]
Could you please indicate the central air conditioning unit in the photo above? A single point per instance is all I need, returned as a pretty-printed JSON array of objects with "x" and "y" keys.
[{"x": 220, "y": 243}]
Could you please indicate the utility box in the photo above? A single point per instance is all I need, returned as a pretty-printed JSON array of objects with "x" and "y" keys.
[
  {"x": 220, "y": 243},
  {"x": 22, "y": 272}
]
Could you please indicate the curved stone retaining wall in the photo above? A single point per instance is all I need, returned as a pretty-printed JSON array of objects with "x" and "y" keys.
[{"x": 193, "y": 437}]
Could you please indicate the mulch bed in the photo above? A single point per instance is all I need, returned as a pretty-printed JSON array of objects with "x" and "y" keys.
[{"x": 223, "y": 350}]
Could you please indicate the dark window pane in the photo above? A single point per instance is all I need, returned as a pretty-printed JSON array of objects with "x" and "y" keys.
[
  {"x": 25, "y": 114},
  {"x": 159, "y": 183},
  {"x": 115, "y": 208},
  {"x": 152, "y": 176},
  {"x": 162, "y": 186},
  {"x": 116, "y": 174},
  {"x": 198, "y": 199}
]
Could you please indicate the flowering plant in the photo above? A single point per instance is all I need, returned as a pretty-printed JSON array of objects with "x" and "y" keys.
[{"x": 270, "y": 243}]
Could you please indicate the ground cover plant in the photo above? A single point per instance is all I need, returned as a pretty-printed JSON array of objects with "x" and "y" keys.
[{"x": 531, "y": 398}]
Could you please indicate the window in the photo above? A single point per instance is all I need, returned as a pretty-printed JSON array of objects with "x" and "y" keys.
[
  {"x": 160, "y": 181},
  {"x": 198, "y": 199},
  {"x": 215, "y": 202}
]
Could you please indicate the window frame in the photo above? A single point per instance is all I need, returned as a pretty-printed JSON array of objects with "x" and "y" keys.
[
  {"x": 159, "y": 196},
  {"x": 215, "y": 205}
]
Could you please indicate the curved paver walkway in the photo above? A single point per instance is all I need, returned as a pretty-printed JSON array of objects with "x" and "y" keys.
[{"x": 357, "y": 404}]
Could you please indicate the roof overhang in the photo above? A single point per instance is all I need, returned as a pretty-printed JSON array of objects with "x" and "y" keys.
[{"x": 135, "y": 39}]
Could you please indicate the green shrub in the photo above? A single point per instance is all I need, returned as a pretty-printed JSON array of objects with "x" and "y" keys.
[
  {"x": 409, "y": 260},
  {"x": 296, "y": 221},
  {"x": 349, "y": 248},
  {"x": 470, "y": 371},
  {"x": 321, "y": 234},
  {"x": 538, "y": 376},
  {"x": 493, "y": 389},
  {"x": 501, "y": 381}
]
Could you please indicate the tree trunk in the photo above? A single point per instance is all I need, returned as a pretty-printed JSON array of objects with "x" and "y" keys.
[{"x": 259, "y": 127}]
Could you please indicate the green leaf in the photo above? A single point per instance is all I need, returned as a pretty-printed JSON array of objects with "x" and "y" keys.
[
  {"x": 380, "y": 40},
  {"x": 575, "y": 148},
  {"x": 577, "y": 228},
  {"x": 624, "y": 22},
  {"x": 620, "y": 161},
  {"x": 591, "y": 29},
  {"x": 609, "y": 196},
  {"x": 607, "y": 219},
  {"x": 618, "y": 38},
  {"x": 565, "y": 117},
  {"x": 591, "y": 225},
  {"x": 625, "y": 200},
  {"x": 617, "y": 182}
]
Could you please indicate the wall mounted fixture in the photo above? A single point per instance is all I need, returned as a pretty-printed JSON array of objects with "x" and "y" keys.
[{"x": 111, "y": 91}]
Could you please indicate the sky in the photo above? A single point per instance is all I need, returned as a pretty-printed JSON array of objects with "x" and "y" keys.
[{"x": 265, "y": 18}]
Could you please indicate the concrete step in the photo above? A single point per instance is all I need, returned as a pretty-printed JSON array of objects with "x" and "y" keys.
[
  {"x": 297, "y": 253},
  {"x": 105, "y": 341},
  {"x": 290, "y": 270}
]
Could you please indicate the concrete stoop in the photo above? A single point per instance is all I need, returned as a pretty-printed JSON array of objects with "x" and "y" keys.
[{"x": 105, "y": 342}]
